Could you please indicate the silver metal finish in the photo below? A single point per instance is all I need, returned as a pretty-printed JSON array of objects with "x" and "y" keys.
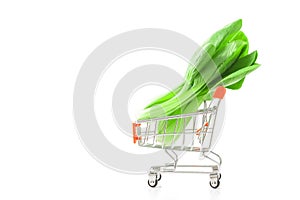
[{"x": 195, "y": 137}]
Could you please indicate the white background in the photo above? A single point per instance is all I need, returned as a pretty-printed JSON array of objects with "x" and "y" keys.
[{"x": 42, "y": 47}]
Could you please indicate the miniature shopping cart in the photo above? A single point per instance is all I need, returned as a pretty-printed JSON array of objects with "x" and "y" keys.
[{"x": 198, "y": 135}]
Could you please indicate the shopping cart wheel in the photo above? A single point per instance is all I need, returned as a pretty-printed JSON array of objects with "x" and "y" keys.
[
  {"x": 152, "y": 183},
  {"x": 158, "y": 176},
  {"x": 214, "y": 183}
]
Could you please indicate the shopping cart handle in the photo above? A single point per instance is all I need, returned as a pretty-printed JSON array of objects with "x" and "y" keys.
[
  {"x": 134, "y": 134},
  {"x": 220, "y": 92}
]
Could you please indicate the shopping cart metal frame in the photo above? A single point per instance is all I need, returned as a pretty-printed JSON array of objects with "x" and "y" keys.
[{"x": 200, "y": 140}]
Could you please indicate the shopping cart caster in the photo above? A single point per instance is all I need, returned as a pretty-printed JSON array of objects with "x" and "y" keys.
[
  {"x": 215, "y": 180},
  {"x": 154, "y": 177}
]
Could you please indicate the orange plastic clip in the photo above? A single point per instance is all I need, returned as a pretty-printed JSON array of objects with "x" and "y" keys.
[
  {"x": 135, "y": 136},
  {"x": 198, "y": 130},
  {"x": 220, "y": 92}
]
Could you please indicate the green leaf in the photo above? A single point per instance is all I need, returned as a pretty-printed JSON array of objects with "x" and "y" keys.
[
  {"x": 165, "y": 97},
  {"x": 221, "y": 37},
  {"x": 241, "y": 36},
  {"x": 236, "y": 85},
  {"x": 241, "y": 63},
  {"x": 238, "y": 75},
  {"x": 229, "y": 55}
]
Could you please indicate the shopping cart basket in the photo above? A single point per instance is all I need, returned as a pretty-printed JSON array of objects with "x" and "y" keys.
[{"x": 199, "y": 135}]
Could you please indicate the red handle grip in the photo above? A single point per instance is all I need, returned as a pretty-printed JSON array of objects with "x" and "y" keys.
[
  {"x": 220, "y": 92},
  {"x": 134, "y": 135}
]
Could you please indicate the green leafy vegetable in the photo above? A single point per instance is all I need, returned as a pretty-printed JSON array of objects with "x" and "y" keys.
[{"x": 222, "y": 60}]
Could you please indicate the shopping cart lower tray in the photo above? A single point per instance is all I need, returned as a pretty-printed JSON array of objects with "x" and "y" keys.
[{"x": 197, "y": 136}]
